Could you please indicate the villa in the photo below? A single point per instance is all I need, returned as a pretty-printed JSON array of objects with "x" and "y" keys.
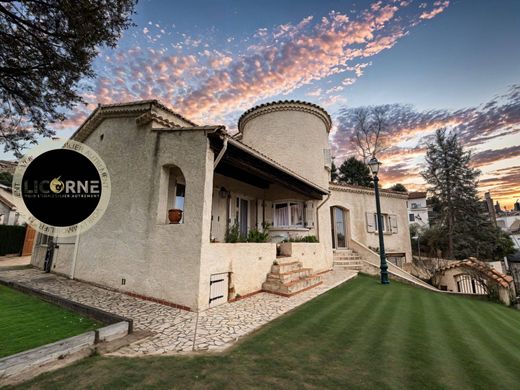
[{"x": 273, "y": 176}]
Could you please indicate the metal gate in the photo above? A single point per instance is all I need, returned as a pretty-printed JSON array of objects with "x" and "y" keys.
[{"x": 218, "y": 289}]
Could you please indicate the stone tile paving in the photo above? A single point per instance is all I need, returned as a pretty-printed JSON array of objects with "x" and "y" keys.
[{"x": 174, "y": 330}]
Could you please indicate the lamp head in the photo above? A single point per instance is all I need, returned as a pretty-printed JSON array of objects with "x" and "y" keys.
[{"x": 374, "y": 165}]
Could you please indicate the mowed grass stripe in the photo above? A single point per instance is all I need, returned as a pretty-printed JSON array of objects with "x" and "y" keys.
[
  {"x": 359, "y": 335},
  {"x": 26, "y": 322},
  {"x": 497, "y": 351},
  {"x": 470, "y": 356}
]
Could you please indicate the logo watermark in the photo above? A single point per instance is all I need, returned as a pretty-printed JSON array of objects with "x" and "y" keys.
[{"x": 61, "y": 189}]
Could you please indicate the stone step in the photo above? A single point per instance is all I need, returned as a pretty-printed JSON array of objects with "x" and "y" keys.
[
  {"x": 291, "y": 288},
  {"x": 348, "y": 262},
  {"x": 286, "y": 267},
  {"x": 286, "y": 259},
  {"x": 353, "y": 267},
  {"x": 290, "y": 276},
  {"x": 343, "y": 251},
  {"x": 351, "y": 257}
]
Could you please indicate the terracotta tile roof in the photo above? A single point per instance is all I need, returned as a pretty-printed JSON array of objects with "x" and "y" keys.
[
  {"x": 484, "y": 268},
  {"x": 371, "y": 189},
  {"x": 417, "y": 195}
]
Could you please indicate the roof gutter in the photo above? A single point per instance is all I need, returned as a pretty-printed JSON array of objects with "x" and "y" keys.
[
  {"x": 318, "y": 214},
  {"x": 221, "y": 153}
]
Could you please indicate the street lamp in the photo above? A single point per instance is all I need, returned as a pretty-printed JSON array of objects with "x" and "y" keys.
[{"x": 374, "y": 165}]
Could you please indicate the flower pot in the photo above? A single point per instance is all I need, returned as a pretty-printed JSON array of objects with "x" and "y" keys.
[{"x": 175, "y": 215}]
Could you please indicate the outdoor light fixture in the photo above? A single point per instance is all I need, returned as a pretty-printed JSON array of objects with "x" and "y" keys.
[
  {"x": 223, "y": 193},
  {"x": 374, "y": 165}
]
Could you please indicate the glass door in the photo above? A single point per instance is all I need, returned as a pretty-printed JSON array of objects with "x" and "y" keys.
[
  {"x": 339, "y": 228},
  {"x": 244, "y": 220}
]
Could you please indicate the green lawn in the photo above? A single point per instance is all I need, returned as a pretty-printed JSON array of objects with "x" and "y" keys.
[
  {"x": 27, "y": 322},
  {"x": 359, "y": 335}
]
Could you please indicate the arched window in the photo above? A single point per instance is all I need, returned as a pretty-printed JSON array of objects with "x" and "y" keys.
[
  {"x": 469, "y": 285},
  {"x": 172, "y": 195}
]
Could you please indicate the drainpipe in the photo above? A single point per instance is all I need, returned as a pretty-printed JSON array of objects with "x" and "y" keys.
[
  {"x": 74, "y": 257},
  {"x": 221, "y": 154},
  {"x": 318, "y": 216}
]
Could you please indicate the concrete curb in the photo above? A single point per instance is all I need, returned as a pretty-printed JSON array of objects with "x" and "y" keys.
[
  {"x": 21, "y": 365},
  {"x": 88, "y": 311}
]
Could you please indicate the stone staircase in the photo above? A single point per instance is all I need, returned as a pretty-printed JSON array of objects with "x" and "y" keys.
[
  {"x": 288, "y": 277},
  {"x": 347, "y": 259}
]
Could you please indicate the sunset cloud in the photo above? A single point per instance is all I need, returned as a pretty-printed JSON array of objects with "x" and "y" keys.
[
  {"x": 212, "y": 85},
  {"x": 410, "y": 130}
]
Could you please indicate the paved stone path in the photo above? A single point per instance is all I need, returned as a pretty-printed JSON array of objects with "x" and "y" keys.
[
  {"x": 10, "y": 261},
  {"x": 174, "y": 330}
]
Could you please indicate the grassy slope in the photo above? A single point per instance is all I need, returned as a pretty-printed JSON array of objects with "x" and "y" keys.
[
  {"x": 361, "y": 334},
  {"x": 27, "y": 322}
]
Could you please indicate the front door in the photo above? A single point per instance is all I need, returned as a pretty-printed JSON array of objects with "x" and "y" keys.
[{"x": 339, "y": 230}]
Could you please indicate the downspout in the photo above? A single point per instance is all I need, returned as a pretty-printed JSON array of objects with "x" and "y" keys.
[
  {"x": 221, "y": 153},
  {"x": 74, "y": 257},
  {"x": 318, "y": 216}
]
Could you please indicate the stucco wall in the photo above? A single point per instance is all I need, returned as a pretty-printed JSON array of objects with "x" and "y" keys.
[
  {"x": 295, "y": 139},
  {"x": 312, "y": 255},
  {"x": 249, "y": 262},
  {"x": 357, "y": 202},
  {"x": 130, "y": 242}
]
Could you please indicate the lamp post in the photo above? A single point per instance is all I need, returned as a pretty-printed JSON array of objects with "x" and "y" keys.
[{"x": 374, "y": 165}]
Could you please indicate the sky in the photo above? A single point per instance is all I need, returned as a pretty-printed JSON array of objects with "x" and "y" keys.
[{"x": 453, "y": 64}]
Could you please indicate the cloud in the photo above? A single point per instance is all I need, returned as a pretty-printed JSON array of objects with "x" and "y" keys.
[
  {"x": 494, "y": 155},
  {"x": 439, "y": 7},
  {"x": 216, "y": 86},
  {"x": 497, "y": 120}
]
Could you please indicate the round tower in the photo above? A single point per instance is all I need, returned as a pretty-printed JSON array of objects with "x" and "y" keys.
[{"x": 294, "y": 134}]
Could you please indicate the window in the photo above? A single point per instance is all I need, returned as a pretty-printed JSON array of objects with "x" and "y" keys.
[
  {"x": 412, "y": 218},
  {"x": 43, "y": 239},
  {"x": 172, "y": 196},
  {"x": 288, "y": 214},
  {"x": 389, "y": 223},
  {"x": 415, "y": 205},
  {"x": 180, "y": 190},
  {"x": 384, "y": 220},
  {"x": 469, "y": 285}
]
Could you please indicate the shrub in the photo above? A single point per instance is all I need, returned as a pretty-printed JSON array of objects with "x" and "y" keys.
[
  {"x": 11, "y": 239},
  {"x": 233, "y": 234}
]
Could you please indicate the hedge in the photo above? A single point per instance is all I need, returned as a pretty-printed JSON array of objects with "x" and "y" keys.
[{"x": 11, "y": 239}]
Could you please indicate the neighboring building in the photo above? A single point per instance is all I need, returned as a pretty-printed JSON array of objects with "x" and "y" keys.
[
  {"x": 475, "y": 277},
  {"x": 418, "y": 209},
  {"x": 275, "y": 173},
  {"x": 509, "y": 221},
  {"x": 7, "y": 166},
  {"x": 488, "y": 208},
  {"x": 8, "y": 213}
]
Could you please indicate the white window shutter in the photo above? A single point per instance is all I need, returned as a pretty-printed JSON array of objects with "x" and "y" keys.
[
  {"x": 370, "y": 222},
  {"x": 309, "y": 213},
  {"x": 393, "y": 224}
]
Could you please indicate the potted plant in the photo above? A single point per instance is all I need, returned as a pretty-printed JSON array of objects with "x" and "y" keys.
[{"x": 175, "y": 215}]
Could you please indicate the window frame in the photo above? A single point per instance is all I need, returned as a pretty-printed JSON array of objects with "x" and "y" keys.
[{"x": 288, "y": 205}]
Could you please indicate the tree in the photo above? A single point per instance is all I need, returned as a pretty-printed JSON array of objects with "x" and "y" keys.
[
  {"x": 6, "y": 179},
  {"x": 399, "y": 188},
  {"x": 46, "y": 49},
  {"x": 333, "y": 172},
  {"x": 453, "y": 182},
  {"x": 370, "y": 127},
  {"x": 353, "y": 171}
]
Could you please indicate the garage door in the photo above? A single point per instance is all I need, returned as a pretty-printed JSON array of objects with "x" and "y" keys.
[{"x": 218, "y": 289}]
